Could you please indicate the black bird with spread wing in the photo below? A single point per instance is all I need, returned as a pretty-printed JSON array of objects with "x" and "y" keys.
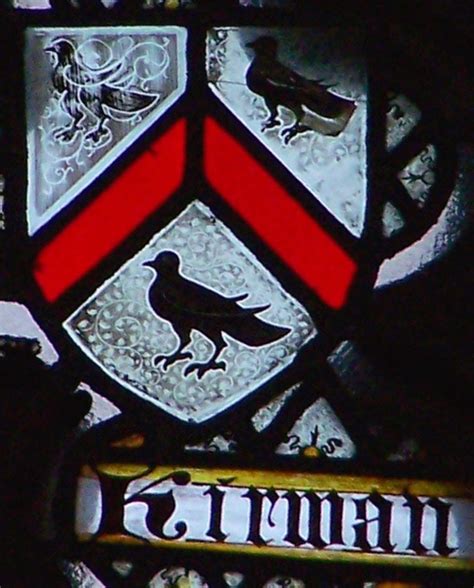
[
  {"x": 280, "y": 86},
  {"x": 189, "y": 306},
  {"x": 93, "y": 93}
]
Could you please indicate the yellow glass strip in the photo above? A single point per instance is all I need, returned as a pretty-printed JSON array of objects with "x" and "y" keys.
[
  {"x": 290, "y": 480},
  {"x": 295, "y": 553}
]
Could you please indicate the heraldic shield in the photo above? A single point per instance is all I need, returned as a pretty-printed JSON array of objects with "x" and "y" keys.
[{"x": 202, "y": 208}]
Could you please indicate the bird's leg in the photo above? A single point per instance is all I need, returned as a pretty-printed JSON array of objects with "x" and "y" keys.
[
  {"x": 95, "y": 136},
  {"x": 272, "y": 120},
  {"x": 212, "y": 364},
  {"x": 67, "y": 134},
  {"x": 291, "y": 132},
  {"x": 297, "y": 128},
  {"x": 177, "y": 355}
]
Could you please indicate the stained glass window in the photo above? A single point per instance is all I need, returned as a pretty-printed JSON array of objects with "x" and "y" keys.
[{"x": 235, "y": 328}]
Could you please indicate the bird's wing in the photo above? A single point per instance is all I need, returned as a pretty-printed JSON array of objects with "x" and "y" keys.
[
  {"x": 82, "y": 76},
  {"x": 209, "y": 312},
  {"x": 324, "y": 103},
  {"x": 281, "y": 76},
  {"x": 127, "y": 101},
  {"x": 312, "y": 93},
  {"x": 239, "y": 297},
  {"x": 192, "y": 299}
]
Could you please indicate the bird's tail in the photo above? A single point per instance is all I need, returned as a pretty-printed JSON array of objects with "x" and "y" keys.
[{"x": 254, "y": 331}]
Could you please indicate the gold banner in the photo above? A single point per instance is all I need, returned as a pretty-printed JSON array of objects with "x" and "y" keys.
[{"x": 310, "y": 516}]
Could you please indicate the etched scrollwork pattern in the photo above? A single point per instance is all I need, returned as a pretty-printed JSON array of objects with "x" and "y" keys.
[
  {"x": 89, "y": 92},
  {"x": 118, "y": 329}
]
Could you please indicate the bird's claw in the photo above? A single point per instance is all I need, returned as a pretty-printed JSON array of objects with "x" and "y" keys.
[
  {"x": 291, "y": 132},
  {"x": 203, "y": 368},
  {"x": 287, "y": 135},
  {"x": 96, "y": 138},
  {"x": 170, "y": 359},
  {"x": 65, "y": 135},
  {"x": 270, "y": 124}
]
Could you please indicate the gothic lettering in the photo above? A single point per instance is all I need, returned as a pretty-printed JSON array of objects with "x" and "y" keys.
[
  {"x": 160, "y": 509},
  {"x": 294, "y": 516},
  {"x": 417, "y": 513},
  {"x": 215, "y": 517},
  {"x": 383, "y": 520},
  {"x": 257, "y": 498},
  {"x": 113, "y": 491},
  {"x": 336, "y": 506}
]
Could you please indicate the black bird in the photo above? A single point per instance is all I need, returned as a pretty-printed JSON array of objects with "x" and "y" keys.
[
  {"x": 280, "y": 86},
  {"x": 98, "y": 93},
  {"x": 188, "y": 305}
]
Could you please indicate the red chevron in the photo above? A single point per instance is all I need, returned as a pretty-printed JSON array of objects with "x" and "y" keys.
[
  {"x": 140, "y": 190},
  {"x": 276, "y": 217},
  {"x": 241, "y": 181}
]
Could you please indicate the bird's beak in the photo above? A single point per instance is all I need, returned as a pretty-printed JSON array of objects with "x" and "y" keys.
[
  {"x": 251, "y": 44},
  {"x": 148, "y": 264},
  {"x": 50, "y": 49}
]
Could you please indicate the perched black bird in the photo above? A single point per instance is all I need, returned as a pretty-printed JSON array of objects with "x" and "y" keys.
[
  {"x": 280, "y": 86},
  {"x": 93, "y": 93},
  {"x": 188, "y": 305}
]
